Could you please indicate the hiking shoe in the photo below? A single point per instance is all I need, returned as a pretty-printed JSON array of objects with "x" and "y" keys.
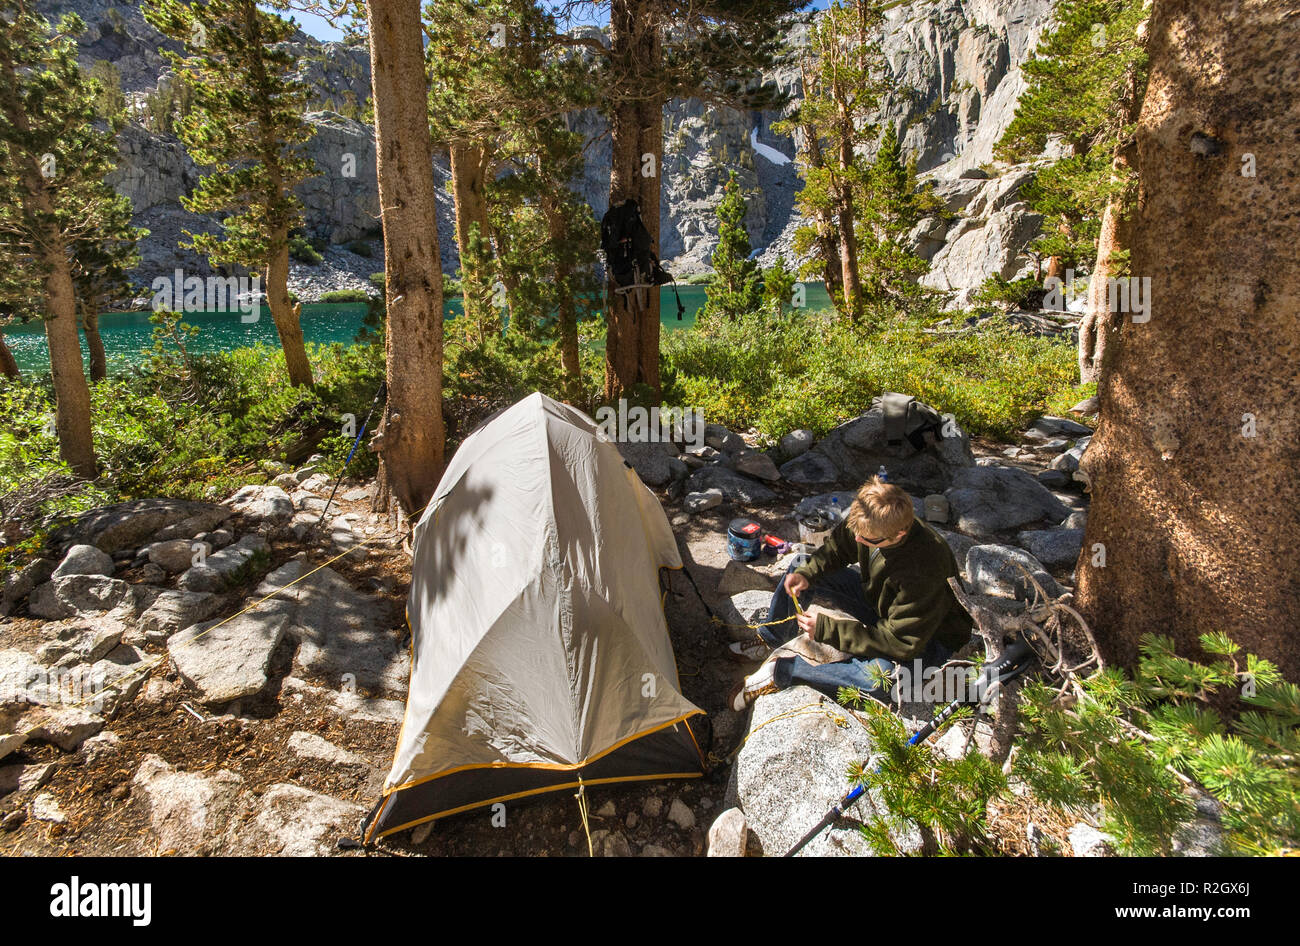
[
  {"x": 750, "y": 651},
  {"x": 762, "y": 681}
]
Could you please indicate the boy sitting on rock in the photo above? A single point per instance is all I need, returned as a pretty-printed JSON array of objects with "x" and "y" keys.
[{"x": 900, "y": 602}]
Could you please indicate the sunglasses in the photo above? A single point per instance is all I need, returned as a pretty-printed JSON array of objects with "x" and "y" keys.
[{"x": 868, "y": 540}]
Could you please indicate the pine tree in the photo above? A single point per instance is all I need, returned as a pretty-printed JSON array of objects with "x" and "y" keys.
[
  {"x": 892, "y": 206},
  {"x": 778, "y": 286},
  {"x": 1086, "y": 81},
  {"x": 845, "y": 75},
  {"x": 54, "y": 156},
  {"x": 101, "y": 262},
  {"x": 247, "y": 125},
  {"x": 735, "y": 288}
]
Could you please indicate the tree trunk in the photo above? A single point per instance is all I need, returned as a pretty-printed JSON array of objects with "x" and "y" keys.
[
  {"x": 636, "y": 130},
  {"x": 1098, "y": 323},
  {"x": 566, "y": 313},
  {"x": 71, "y": 393},
  {"x": 1196, "y": 503},
  {"x": 468, "y": 191},
  {"x": 285, "y": 314},
  {"x": 8, "y": 364},
  {"x": 411, "y": 439},
  {"x": 848, "y": 245},
  {"x": 90, "y": 325}
]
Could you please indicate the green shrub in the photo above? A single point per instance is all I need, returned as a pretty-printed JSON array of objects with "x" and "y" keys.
[
  {"x": 345, "y": 295},
  {"x": 302, "y": 250}
]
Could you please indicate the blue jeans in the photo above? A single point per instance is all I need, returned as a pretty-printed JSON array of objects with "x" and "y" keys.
[{"x": 842, "y": 590}]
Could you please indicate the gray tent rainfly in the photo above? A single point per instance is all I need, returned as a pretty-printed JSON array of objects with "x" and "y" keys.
[{"x": 540, "y": 653}]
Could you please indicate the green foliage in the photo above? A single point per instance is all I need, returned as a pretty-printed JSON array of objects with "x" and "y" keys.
[
  {"x": 736, "y": 286},
  {"x": 946, "y": 800},
  {"x": 246, "y": 123},
  {"x": 1011, "y": 295},
  {"x": 815, "y": 372},
  {"x": 109, "y": 100},
  {"x": 345, "y": 295},
  {"x": 1232, "y": 725},
  {"x": 892, "y": 204},
  {"x": 301, "y": 250},
  {"x": 1085, "y": 82},
  {"x": 778, "y": 287},
  {"x": 166, "y": 106}
]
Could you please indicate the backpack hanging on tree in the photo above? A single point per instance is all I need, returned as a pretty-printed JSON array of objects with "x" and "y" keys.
[{"x": 629, "y": 253}]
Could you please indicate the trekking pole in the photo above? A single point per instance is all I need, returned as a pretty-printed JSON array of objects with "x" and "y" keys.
[
  {"x": 1015, "y": 658},
  {"x": 383, "y": 385}
]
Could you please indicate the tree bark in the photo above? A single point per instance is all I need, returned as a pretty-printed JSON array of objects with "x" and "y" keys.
[
  {"x": 411, "y": 437},
  {"x": 636, "y": 130},
  {"x": 286, "y": 314},
  {"x": 566, "y": 313},
  {"x": 71, "y": 392},
  {"x": 469, "y": 198},
  {"x": 1099, "y": 324},
  {"x": 1196, "y": 502},
  {"x": 848, "y": 238},
  {"x": 90, "y": 325},
  {"x": 8, "y": 364}
]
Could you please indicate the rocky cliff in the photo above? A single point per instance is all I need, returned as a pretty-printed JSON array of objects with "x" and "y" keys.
[{"x": 957, "y": 62}]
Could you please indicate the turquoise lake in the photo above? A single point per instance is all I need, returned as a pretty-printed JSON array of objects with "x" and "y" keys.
[{"x": 127, "y": 334}]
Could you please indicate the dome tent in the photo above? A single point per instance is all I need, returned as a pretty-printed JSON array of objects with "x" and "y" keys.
[{"x": 540, "y": 653}]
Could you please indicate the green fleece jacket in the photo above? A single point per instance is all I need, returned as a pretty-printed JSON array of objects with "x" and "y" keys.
[{"x": 907, "y": 584}]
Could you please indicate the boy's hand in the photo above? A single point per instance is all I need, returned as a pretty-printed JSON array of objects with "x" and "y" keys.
[
  {"x": 808, "y": 621},
  {"x": 795, "y": 584}
]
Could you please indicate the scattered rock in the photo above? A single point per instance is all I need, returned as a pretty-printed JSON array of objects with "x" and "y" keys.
[
  {"x": 936, "y": 508},
  {"x": 991, "y": 570},
  {"x": 19, "y": 585},
  {"x": 308, "y": 746},
  {"x": 45, "y": 807},
  {"x": 176, "y": 555},
  {"x": 84, "y": 560},
  {"x": 262, "y": 502},
  {"x": 1053, "y": 479},
  {"x": 295, "y": 822},
  {"x": 173, "y": 610},
  {"x": 698, "y": 502},
  {"x": 757, "y": 464},
  {"x": 652, "y": 807},
  {"x": 729, "y": 835},
  {"x": 650, "y": 460},
  {"x": 65, "y": 726},
  {"x": 25, "y": 778},
  {"x": 796, "y": 443},
  {"x": 420, "y": 833},
  {"x": 989, "y": 499},
  {"x": 654, "y": 850},
  {"x": 1087, "y": 841},
  {"x": 733, "y": 486},
  {"x": 188, "y": 812},
  {"x": 229, "y": 661},
  {"x": 610, "y": 844},
  {"x": 1055, "y": 548},
  {"x": 1048, "y": 427},
  {"x": 101, "y": 746},
  {"x": 720, "y": 438},
  {"x": 741, "y": 576},
  {"x": 680, "y": 815},
  {"x": 13, "y": 821},
  {"x": 222, "y": 567},
  {"x": 748, "y": 607},
  {"x": 358, "y": 494},
  {"x": 791, "y": 769},
  {"x": 129, "y": 525},
  {"x": 75, "y": 595}
]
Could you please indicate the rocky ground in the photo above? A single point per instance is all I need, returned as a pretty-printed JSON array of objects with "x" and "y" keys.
[{"x": 277, "y": 739}]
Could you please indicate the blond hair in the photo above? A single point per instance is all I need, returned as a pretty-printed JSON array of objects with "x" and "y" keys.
[{"x": 880, "y": 510}]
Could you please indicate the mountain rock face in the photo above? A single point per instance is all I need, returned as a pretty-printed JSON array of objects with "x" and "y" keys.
[{"x": 958, "y": 62}]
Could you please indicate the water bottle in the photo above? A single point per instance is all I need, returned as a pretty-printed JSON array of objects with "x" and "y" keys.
[
  {"x": 883, "y": 474},
  {"x": 836, "y": 512}
]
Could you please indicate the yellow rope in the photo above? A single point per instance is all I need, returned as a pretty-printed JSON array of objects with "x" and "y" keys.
[
  {"x": 753, "y": 627},
  {"x": 839, "y": 721},
  {"x": 582, "y": 811}
]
